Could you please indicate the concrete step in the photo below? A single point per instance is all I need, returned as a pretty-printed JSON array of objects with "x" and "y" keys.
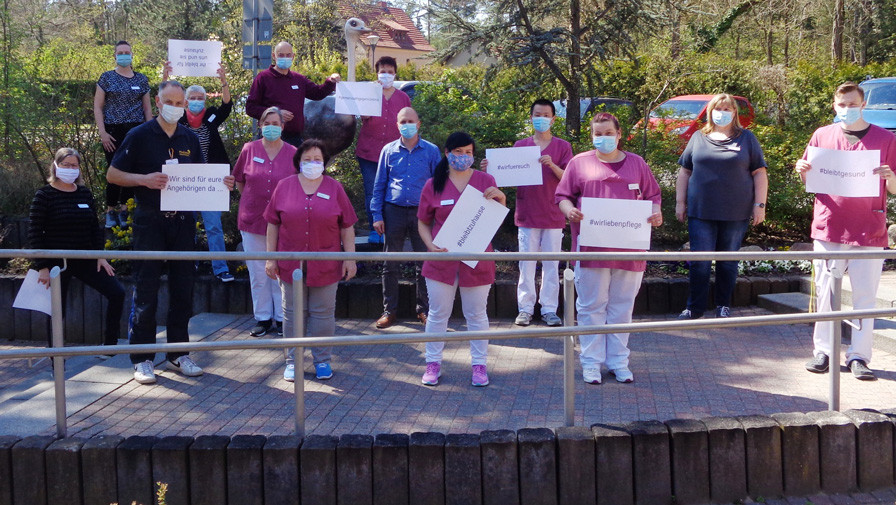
[{"x": 789, "y": 303}]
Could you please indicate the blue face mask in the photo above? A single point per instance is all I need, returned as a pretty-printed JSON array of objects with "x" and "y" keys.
[
  {"x": 195, "y": 106},
  {"x": 722, "y": 118},
  {"x": 408, "y": 130},
  {"x": 848, "y": 115},
  {"x": 606, "y": 144},
  {"x": 460, "y": 162},
  {"x": 271, "y": 132},
  {"x": 284, "y": 63},
  {"x": 123, "y": 60},
  {"x": 541, "y": 124}
]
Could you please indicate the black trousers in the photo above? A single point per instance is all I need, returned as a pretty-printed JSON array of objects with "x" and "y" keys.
[
  {"x": 106, "y": 285},
  {"x": 400, "y": 223},
  {"x": 117, "y": 195},
  {"x": 153, "y": 231}
]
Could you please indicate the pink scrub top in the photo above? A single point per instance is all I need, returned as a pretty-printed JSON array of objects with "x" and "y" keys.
[
  {"x": 853, "y": 220},
  {"x": 260, "y": 176},
  {"x": 310, "y": 223},
  {"x": 377, "y": 131},
  {"x": 535, "y": 206},
  {"x": 434, "y": 209},
  {"x": 586, "y": 176}
]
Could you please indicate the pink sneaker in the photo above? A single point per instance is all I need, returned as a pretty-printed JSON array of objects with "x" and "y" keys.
[
  {"x": 432, "y": 373},
  {"x": 480, "y": 376}
]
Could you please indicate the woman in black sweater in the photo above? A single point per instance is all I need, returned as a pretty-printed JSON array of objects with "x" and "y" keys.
[{"x": 63, "y": 216}]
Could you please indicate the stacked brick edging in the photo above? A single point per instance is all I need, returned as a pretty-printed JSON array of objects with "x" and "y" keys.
[
  {"x": 714, "y": 460},
  {"x": 358, "y": 299}
]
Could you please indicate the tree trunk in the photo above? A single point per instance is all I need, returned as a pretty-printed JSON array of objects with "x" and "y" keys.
[
  {"x": 573, "y": 109},
  {"x": 769, "y": 47},
  {"x": 837, "y": 33},
  {"x": 675, "y": 45}
]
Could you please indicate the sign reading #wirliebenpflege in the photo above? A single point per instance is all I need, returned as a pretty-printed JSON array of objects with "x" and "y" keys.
[
  {"x": 616, "y": 223},
  {"x": 194, "y": 58},
  {"x": 195, "y": 187},
  {"x": 515, "y": 166},
  {"x": 359, "y": 98},
  {"x": 843, "y": 173},
  {"x": 471, "y": 225}
]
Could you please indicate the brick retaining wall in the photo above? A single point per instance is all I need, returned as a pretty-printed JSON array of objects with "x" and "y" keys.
[
  {"x": 361, "y": 299},
  {"x": 714, "y": 460}
]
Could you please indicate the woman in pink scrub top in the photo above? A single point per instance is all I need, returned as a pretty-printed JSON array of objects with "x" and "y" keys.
[
  {"x": 606, "y": 289},
  {"x": 452, "y": 175},
  {"x": 311, "y": 212},
  {"x": 261, "y": 165}
]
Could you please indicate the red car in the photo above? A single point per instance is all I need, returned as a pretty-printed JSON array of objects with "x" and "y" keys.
[{"x": 684, "y": 115}]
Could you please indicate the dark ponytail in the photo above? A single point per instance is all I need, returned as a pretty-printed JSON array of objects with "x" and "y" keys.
[{"x": 440, "y": 174}]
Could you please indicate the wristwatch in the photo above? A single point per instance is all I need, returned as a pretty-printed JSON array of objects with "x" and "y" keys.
[{"x": 760, "y": 205}]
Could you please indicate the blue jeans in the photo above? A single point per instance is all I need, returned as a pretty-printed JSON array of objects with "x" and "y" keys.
[
  {"x": 709, "y": 235},
  {"x": 215, "y": 235},
  {"x": 368, "y": 174}
]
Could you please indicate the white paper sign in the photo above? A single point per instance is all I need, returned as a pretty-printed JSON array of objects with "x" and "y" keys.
[
  {"x": 33, "y": 295},
  {"x": 843, "y": 173},
  {"x": 359, "y": 98},
  {"x": 195, "y": 186},
  {"x": 616, "y": 223},
  {"x": 471, "y": 225},
  {"x": 194, "y": 58},
  {"x": 515, "y": 166}
]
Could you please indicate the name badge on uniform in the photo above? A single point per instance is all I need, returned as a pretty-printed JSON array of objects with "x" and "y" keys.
[
  {"x": 633, "y": 186},
  {"x": 447, "y": 202},
  {"x": 295, "y": 86},
  {"x": 324, "y": 196},
  {"x": 136, "y": 88},
  {"x": 83, "y": 206},
  {"x": 172, "y": 161},
  {"x": 734, "y": 148},
  {"x": 257, "y": 160},
  {"x": 211, "y": 118}
]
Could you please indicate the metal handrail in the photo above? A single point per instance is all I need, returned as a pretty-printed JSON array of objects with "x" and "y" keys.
[{"x": 567, "y": 333}]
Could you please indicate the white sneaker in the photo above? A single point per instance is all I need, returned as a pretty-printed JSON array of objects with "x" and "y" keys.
[
  {"x": 591, "y": 375},
  {"x": 144, "y": 373},
  {"x": 184, "y": 365},
  {"x": 623, "y": 375},
  {"x": 289, "y": 375}
]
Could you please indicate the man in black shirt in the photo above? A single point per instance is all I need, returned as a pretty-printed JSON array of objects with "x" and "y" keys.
[{"x": 138, "y": 163}]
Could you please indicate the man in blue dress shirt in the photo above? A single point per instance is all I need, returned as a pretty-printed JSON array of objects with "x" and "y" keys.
[{"x": 404, "y": 166}]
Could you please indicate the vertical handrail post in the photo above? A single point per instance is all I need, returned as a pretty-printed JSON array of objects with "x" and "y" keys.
[
  {"x": 836, "y": 336},
  {"x": 569, "y": 366},
  {"x": 58, "y": 341},
  {"x": 298, "y": 326}
]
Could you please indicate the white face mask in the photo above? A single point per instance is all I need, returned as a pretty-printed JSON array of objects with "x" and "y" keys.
[
  {"x": 171, "y": 114},
  {"x": 722, "y": 117},
  {"x": 386, "y": 79},
  {"x": 66, "y": 175},
  {"x": 312, "y": 169}
]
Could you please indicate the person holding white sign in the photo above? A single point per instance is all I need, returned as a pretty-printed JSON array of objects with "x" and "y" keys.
[
  {"x": 310, "y": 212},
  {"x": 280, "y": 87},
  {"x": 261, "y": 165},
  {"x": 850, "y": 224},
  {"x": 63, "y": 216},
  {"x": 606, "y": 289},
  {"x": 205, "y": 122},
  {"x": 452, "y": 175},
  {"x": 722, "y": 184},
  {"x": 539, "y": 220},
  {"x": 376, "y": 132},
  {"x": 138, "y": 163}
]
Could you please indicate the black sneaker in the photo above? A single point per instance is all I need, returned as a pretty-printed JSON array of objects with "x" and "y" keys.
[
  {"x": 279, "y": 325},
  {"x": 686, "y": 315},
  {"x": 861, "y": 371},
  {"x": 818, "y": 364},
  {"x": 261, "y": 329}
]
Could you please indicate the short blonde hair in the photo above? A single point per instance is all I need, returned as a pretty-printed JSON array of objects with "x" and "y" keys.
[
  {"x": 715, "y": 102},
  {"x": 62, "y": 154},
  {"x": 270, "y": 110}
]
